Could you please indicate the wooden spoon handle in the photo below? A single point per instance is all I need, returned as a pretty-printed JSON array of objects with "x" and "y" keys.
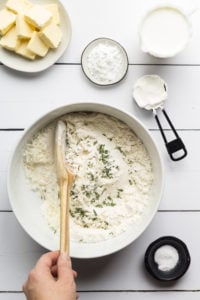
[
  {"x": 64, "y": 216},
  {"x": 65, "y": 189},
  {"x": 65, "y": 179}
]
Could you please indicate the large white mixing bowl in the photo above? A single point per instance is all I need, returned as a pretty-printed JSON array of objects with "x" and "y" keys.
[{"x": 26, "y": 204}]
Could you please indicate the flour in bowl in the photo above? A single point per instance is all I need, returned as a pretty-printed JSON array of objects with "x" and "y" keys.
[{"x": 113, "y": 176}]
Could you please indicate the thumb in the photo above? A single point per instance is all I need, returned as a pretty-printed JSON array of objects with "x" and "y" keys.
[{"x": 64, "y": 266}]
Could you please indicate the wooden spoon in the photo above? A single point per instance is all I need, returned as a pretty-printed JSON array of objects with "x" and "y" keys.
[{"x": 65, "y": 179}]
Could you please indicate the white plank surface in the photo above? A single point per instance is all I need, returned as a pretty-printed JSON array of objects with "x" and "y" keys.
[
  {"x": 120, "y": 296},
  {"x": 121, "y": 271},
  {"x": 25, "y": 97},
  {"x": 120, "y": 20},
  {"x": 32, "y": 96},
  {"x": 12, "y": 296}
]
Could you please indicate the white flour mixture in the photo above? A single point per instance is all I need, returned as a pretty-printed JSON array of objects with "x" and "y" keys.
[{"x": 113, "y": 176}]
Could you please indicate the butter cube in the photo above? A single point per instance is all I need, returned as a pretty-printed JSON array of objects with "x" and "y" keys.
[
  {"x": 38, "y": 16},
  {"x": 24, "y": 30},
  {"x": 51, "y": 35},
  {"x": 10, "y": 40},
  {"x": 23, "y": 51},
  {"x": 54, "y": 9},
  {"x": 36, "y": 45},
  {"x": 19, "y": 6},
  {"x": 7, "y": 20}
]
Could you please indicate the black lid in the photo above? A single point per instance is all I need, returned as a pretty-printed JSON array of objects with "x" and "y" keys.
[{"x": 181, "y": 266}]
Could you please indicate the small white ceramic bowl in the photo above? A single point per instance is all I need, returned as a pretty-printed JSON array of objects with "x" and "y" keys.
[{"x": 26, "y": 204}]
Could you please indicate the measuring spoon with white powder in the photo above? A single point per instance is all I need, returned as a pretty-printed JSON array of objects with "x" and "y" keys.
[{"x": 150, "y": 92}]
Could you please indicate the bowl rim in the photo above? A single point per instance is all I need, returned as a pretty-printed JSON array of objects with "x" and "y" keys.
[{"x": 75, "y": 105}]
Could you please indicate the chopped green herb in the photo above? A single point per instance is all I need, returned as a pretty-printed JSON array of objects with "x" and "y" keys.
[
  {"x": 119, "y": 191},
  {"x": 97, "y": 195},
  {"x": 91, "y": 176},
  {"x": 104, "y": 153},
  {"x": 120, "y": 150},
  {"x": 90, "y": 164},
  {"x": 80, "y": 211},
  {"x": 106, "y": 173}
]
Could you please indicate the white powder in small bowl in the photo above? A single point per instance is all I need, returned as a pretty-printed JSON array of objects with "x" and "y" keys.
[
  {"x": 104, "y": 61},
  {"x": 166, "y": 258}
]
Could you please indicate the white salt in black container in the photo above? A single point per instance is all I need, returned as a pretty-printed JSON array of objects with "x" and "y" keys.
[{"x": 167, "y": 258}]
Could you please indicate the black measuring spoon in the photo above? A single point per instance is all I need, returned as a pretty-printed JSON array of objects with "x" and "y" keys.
[{"x": 150, "y": 92}]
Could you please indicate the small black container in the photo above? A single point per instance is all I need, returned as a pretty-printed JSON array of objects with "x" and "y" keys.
[{"x": 181, "y": 266}]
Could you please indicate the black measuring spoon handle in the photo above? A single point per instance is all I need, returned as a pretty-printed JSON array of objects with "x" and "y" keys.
[{"x": 174, "y": 145}]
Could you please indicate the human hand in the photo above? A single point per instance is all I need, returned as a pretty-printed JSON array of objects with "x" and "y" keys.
[{"x": 52, "y": 278}]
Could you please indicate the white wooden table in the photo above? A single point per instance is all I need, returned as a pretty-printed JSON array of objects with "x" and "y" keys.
[{"x": 26, "y": 97}]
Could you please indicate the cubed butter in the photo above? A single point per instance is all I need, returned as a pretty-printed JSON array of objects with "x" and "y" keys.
[
  {"x": 51, "y": 35},
  {"x": 10, "y": 40},
  {"x": 23, "y": 51},
  {"x": 36, "y": 45},
  {"x": 28, "y": 29},
  {"x": 38, "y": 16},
  {"x": 7, "y": 20},
  {"x": 19, "y": 6},
  {"x": 54, "y": 9},
  {"x": 24, "y": 30}
]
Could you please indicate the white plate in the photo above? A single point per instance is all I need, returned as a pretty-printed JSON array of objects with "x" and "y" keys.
[
  {"x": 16, "y": 62},
  {"x": 26, "y": 204}
]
